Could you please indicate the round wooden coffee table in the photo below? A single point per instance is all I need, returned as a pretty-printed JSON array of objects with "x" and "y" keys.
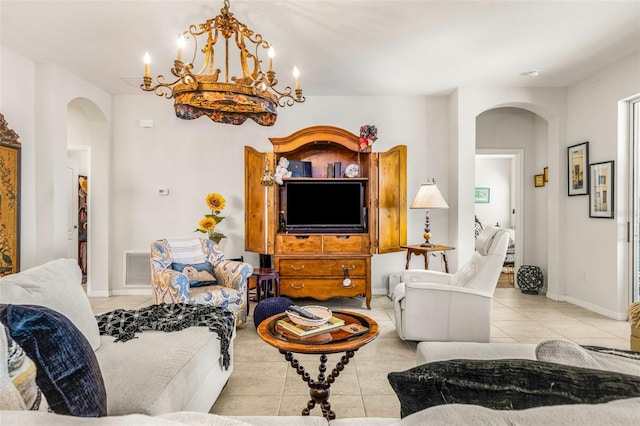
[{"x": 330, "y": 342}]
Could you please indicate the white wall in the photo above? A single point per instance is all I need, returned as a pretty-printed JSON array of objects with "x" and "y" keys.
[
  {"x": 495, "y": 174},
  {"x": 194, "y": 158},
  {"x": 597, "y": 248},
  {"x": 39, "y": 94}
]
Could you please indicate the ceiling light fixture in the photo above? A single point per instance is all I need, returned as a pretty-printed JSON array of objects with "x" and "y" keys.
[
  {"x": 196, "y": 93},
  {"x": 532, "y": 73}
]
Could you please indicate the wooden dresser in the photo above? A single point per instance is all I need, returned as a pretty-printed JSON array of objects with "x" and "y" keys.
[{"x": 327, "y": 264}]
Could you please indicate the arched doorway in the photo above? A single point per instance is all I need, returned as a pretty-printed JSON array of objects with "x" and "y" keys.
[
  {"x": 502, "y": 134},
  {"x": 87, "y": 141}
]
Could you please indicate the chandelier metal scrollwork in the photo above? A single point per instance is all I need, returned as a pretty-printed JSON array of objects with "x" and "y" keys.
[{"x": 253, "y": 95}]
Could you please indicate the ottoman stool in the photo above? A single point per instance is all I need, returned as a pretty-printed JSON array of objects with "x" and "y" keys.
[
  {"x": 530, "y": 279},
  {"x": 269, "y": 307}
]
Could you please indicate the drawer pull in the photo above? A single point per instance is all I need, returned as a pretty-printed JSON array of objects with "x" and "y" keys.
[
  {"x": 302, "y": 237},
  {"x": 345, "y": 268},
  {"x": 296, "y": 286},
  {"x": 297, "y": 268},
  {"x": 344, "y": 237}
]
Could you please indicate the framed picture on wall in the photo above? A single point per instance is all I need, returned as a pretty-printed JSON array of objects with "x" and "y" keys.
[
  {"x": 601, "y": 193},
  {"x": 483, "y": 195},
  {"x": 578, "y": 160},
  {"x": 538, "y": 180},
  {"x": 9, "y": 200}
]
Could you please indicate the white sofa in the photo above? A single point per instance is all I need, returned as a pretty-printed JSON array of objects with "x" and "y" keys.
[
  {"x": 622, "y": 412},
  {"x": 155, "y": 373}
]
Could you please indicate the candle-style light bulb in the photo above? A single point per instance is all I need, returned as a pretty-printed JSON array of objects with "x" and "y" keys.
[
  {"x": 271, "y": 55},
  {"x": 147, "y": 61},
  {"x": 296, "y": 75},
  {"x": 182, "y": 42}
]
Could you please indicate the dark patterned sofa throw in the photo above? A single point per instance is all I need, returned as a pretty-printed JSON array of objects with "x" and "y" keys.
[{"x": 124, "y": 324}]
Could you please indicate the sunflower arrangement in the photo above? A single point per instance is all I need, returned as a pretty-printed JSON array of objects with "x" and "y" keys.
[{"x": 207, "y": 225}]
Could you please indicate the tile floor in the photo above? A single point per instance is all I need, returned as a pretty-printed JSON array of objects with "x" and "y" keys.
[{"x": 263, "y": 383}]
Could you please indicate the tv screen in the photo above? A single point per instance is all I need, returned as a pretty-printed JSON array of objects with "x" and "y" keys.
[{"x": 324, "y": 206}]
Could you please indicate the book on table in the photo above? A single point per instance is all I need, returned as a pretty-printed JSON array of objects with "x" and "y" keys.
[{"x": 303, "y": 331}]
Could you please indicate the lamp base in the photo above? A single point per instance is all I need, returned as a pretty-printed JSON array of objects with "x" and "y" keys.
[{"x": 427, "y": 244}]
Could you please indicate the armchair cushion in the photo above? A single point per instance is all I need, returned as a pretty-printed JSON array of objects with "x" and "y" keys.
[{"x": 199, "y": 275}]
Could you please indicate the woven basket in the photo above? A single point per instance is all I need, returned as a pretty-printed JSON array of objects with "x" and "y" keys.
[{"x": 635, "y": 338}]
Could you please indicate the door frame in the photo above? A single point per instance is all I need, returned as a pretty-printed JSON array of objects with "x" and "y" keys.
[
  {"x": 517, "y": 156},
  {"x": 633, "y": 222}
]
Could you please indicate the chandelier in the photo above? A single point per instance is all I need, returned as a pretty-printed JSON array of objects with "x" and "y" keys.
[{"x": 224, "y": 99}]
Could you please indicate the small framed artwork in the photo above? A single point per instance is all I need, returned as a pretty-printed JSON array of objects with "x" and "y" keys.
[
  {"x": 601, "y": 193},
  {"x": 546, "y": 174},
  {"x": 578, "y": 160},
  {"x": 538, "y": 180},
  {"x": 483, "y": 195}
]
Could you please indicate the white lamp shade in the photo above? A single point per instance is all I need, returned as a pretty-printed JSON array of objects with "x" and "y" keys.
[{"x": 429, "y": 197}]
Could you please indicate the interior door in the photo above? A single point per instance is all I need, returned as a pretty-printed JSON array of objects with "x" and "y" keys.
[
  {"x": 259, "y": 222},
  {"x": 392, "y": 199},
  {"x": 72, "y": 214}
]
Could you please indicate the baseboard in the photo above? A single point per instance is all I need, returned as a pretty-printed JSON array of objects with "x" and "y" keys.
[
  {"x": 597, "y": 309},
  {"x": 102, "y": 293}
]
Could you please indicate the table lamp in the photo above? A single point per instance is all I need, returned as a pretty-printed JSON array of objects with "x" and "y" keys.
[{"x": 428, "y": 197}]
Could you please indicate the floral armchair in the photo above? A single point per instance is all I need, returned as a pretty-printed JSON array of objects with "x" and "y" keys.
[{"x": 194, "y": 271}]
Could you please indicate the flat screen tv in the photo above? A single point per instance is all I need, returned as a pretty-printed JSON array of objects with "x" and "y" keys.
[{"x": 324, "y": 206}]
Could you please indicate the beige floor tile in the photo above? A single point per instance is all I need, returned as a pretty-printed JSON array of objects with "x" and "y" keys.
[
  {"x": 381, "y": 406},
  {"x": 253, "y": 378},
  {"x": 525, "y": 329},
  {"x": 230, "y": 405},
  {"x": 505, "y": 313},
  {"x": 372, "y": 375},
  {"x": 503, "y": 340},
  {"x": 386, "y": 349},
  {"x": 571, "y": 329}
]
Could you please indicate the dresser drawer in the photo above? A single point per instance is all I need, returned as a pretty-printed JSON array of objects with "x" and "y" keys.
[
  {"x": 321, "y": 288},
  {"x": 289, "y": 244},
  {"x": 345, "y": 243},
  {"x": 322, "y": 267}
]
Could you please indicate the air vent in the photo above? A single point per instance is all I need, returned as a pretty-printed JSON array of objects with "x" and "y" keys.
[{"x": 137, "y": 268}]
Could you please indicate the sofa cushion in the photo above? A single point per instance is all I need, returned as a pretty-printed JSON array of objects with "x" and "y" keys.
[
  {"x": 599, "y": 358},
  {"x": 165, "y": 372},
  {"x": 56, "y": 285},
  {"x": 68, "y": 372},
  {"x": 511, "y": 384},
  {"x": 620, "y": 412}
]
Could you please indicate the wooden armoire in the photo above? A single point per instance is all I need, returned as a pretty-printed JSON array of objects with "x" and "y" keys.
[{"x": 326, "y": 263}]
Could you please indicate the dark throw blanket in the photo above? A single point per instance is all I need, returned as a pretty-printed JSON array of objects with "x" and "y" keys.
[{"x": 124, "y": 324}]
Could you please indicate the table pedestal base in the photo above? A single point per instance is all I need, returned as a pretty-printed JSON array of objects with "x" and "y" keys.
[{"x": 319, "y": 389}]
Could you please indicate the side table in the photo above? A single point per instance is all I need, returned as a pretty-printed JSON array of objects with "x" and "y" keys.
[
  {"x": 263, "y": 276},
  {"x": 334, "y": 341},
  {"x": 424, "y": 251}
]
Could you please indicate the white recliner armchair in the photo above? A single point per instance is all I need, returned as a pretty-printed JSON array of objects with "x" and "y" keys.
[{"x": 435, "y": 306}]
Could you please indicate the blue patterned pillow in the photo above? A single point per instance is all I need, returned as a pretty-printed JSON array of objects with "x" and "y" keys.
[
  {"x": 199, "y": 274},
  {"x": 68, "y": 372}
]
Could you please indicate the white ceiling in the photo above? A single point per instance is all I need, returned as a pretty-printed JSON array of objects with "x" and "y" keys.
[{"x": 342, "y": 47}]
